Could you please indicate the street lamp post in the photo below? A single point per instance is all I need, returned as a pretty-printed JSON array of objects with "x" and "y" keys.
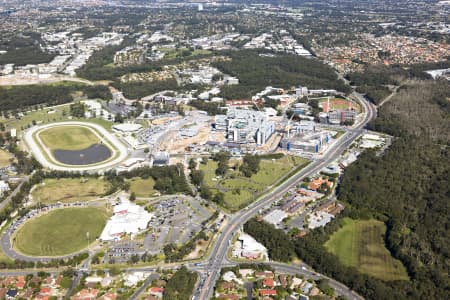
[{"x": 87, "y": 236}]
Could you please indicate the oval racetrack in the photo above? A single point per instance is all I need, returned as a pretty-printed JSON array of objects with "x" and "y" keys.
[{"x": 118, "y": 151}]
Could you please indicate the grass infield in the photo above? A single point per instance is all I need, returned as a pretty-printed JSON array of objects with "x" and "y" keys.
[
  {"x": 239, "y": 190},
  {"x": 68, "y": 138},
  {"x": 69, "y": 190},
  {"x": 60, "y": 232},
  {"x": 360, "y": 244},
  {"x": 142, "y": 187}
]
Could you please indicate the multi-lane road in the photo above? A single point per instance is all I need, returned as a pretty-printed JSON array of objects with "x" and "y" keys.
[
  {"x": 218, "y": 254},
  {"x": 210, "y": 268}
]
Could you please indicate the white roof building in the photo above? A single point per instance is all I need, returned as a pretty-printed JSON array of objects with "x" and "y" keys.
[
  {"x": 128, "y": 218},
  {"x": 319, "y": 219},
  {"x": 247, "y": 246},
  {"x": 275, "y": 217},
  {"x": 127, "y": 127},
  {"x": 4, "y": 187},
  {"x": 132, "y": 279},
  {"x": 230, "y": 276}
]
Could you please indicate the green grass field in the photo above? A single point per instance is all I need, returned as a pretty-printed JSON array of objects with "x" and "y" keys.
[
  {"x": 172, "y": 53},
  {"x": 360, "y": 244},
  {"x": 49, "y": 115},
  {"x": 239, "y": 190},
  {"x": 4, "y": 158},
  {"x": 68, "y": 138},
  {"x": 272, "y": 170},
  {"x": 142, "y": 187},
  {"x": 69, "y": 190},
  {"x": 60, "y": 232}
]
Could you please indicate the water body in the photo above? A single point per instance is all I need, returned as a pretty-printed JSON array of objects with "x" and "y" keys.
[{"x": 91, "y": 155}]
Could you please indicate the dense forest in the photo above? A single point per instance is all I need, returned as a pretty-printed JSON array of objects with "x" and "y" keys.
[
  {"x": 181, "y": 285},
  {"x": 98, "y": 91},
  {"x": 137, "y": 90},
  {"x": 23, "y": 49},
  {"x": 375, "y": 79},
  {"x": 25, "y": 56},
  {"x": 279, "y": 247},
  {"x": 168, "y": 179},
  {"x": 255, "y": 72},
  {"x": 406, "y": 187},
  {"x": 27, "y": 96},
  {"x": 420, "y": 108},
  {"x": 212, "y": 108},
  {"x": 14, "y": 98}
]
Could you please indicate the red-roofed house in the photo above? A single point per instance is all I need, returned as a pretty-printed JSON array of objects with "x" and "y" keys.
[
  {"x": 20, "y": 282},
  {"x": 86, "y": 294},
  {"x": 45, "y": 291},
  {"x": 20, "y": 285},
  {"x": 316, "y": 183},
  {"x": 108, "y": 296},
  {"x": 156, "y": 291},
  {"x": 268, "y": 292},
  {"x": 268, "y": 282}
]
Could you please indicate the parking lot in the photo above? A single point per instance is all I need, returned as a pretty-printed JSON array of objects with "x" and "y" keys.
[{"x": 176, "y": 220}]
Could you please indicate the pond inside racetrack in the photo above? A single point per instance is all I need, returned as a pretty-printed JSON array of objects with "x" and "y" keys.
[{"x": 93, "y": 154}]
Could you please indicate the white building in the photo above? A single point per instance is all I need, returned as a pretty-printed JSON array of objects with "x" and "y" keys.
[
  {"x": 4, "y": 187},
  {"x": 248, "y": 126},
  {"x": 132, "y": 163},
  {"x": 132, "y": 279},
  {"x": 246, "y": 246},
  {"x": 319, "y": 219},
  {"x": 127, "y": 127},
  {"x": 128, "y": 218},
  {"x": 275, "y": 217}
]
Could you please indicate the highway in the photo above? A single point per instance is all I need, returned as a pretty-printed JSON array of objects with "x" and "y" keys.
[
  {"x": 218, "y": 254},
  {"x": 209, "y": 269}
]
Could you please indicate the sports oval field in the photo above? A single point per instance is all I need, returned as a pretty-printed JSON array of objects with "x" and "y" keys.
[
  {"x": 75, "y": 145},
  {"x": 60, "y": 232}
]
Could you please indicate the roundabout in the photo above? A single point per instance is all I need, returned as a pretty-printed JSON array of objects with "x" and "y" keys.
[{"x": 75, "y": 146}]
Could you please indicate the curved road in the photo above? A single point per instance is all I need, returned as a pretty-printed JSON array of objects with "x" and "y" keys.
[
  {"x": 218, "y": 254},
  {"x": 210, "y": 269},
  {"x": 6, "y": 242},
  {"x": 108, "y": 138}
]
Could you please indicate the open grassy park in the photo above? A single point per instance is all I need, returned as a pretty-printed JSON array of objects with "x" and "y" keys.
[
  {"x": 60, "y": 232},
  {"x": 48, "y": 115},
  {"x": 240, "y": 190},
  {"x": 142, "y": 187},
  {"x": 69, "y": 190},
  {"x": 4, "y": 158},
  {"x": 360, "y": 244},
  {"x": 68, "y": 138}
]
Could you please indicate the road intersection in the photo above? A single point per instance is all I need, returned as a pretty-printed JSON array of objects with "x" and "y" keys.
[
  {"x": 218, "y": 254},
  {"x": 209, "y": 268}
]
